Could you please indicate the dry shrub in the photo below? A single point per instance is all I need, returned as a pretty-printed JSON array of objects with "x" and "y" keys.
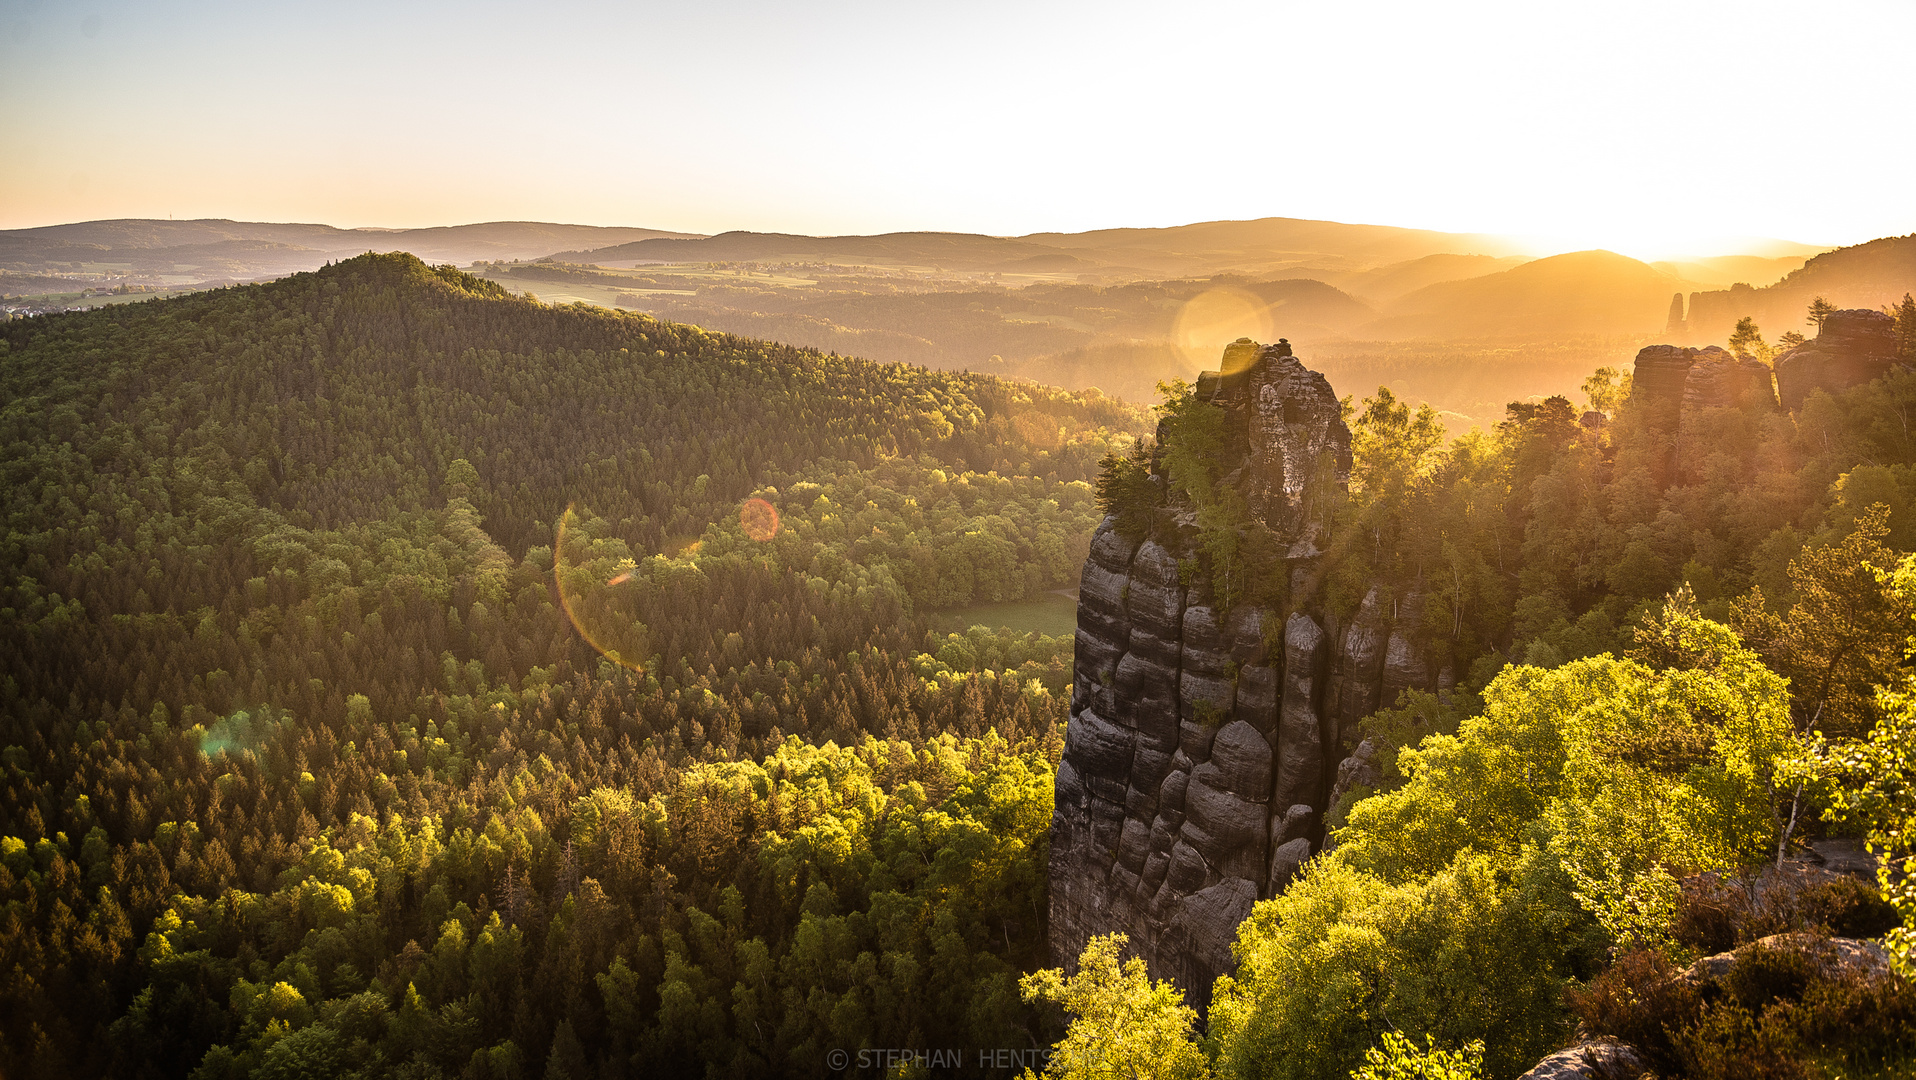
[
  {"x": 1765, "y": 975},
  {"x": 1715, "y": 914},
  {"x": 1729, "y": 1041},
  {"x": 1777, "y": 1014},
  {"x": 1711, "y": 913},
  {"x": 1847, "y": 907},
  {"x": 1638, "y": 1000}
]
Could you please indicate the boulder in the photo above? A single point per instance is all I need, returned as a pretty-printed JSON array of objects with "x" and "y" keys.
[
  {"x": 1360, "y": 769},
  {"x": 1147, "y": 697},
  {"x": 1205, "y": 698},
  {"x": 1595, "y": 1060},
  {"x": 1150, "y": 761},
  {"x": 1861, "y": 330},
  {"x": 1187, "y": 870},
  {"x": 1206, "y": 649},
  {"x": 1227, "y": 830},
  {"x": 1834, "y": 957},
  {"x": 1102, "y": 591},
  {"x": 1134, "y": 843},
  {"x": 1659, "y": 376},
  {"x": 1293, "y": 823},
  {"x": 1097, "y": 656},
  {"x": 1286, "y": 861},
  {"x": 1171, "y": 794},
  {"x": 1243, "y": 761},
  {"x": 1101, "y": 754}
]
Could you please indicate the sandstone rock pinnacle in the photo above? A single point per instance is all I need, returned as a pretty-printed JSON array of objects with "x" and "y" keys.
[{"x": 1203, "y": 742}]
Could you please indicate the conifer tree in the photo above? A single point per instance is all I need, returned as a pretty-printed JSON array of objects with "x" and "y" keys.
[{"x": 1820, "y": 310}]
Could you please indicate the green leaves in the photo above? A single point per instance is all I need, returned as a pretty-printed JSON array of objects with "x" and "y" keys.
[
  {"x": 1560, "y": 818},
  {"x": 1123, "y": 1023},
  {"x": 1400, "y": 1058}
]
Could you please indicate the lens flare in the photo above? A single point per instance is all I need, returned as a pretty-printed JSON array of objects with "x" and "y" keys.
[
  {"x": 1213, "y": 319},
  {"x": 759, "y": 519},
  {"x": 602, "y": 617}
]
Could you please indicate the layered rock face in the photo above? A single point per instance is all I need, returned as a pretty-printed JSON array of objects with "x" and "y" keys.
[
  {"x": 1852, "y": 348},
  {"x": 1673, "y": 380},
  {"x": 1203, "y": 743}
]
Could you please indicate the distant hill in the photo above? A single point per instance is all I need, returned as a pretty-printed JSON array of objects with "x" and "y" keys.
[
  {"x": 959, "y": 251},
  {"x": 1725, "y": 270},
  {"x": 217, "y": 248},
  {"x": 1266, "y": 244},
  {"x": 1390, "y": 282},
  {"x": 1263, "y": 246},
  {"x": 1866, "y": 275},
  {"x": 1579, "y": 294}
]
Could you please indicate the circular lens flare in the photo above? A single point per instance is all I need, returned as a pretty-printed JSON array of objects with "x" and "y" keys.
[
  {"x": 759, "y": 519},
  {"x": 1213, "y": 319},
  {"x": 601, "y": 613}
]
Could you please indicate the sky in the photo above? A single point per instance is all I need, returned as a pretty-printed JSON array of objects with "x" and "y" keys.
[{"x": 1657, "y": 129}]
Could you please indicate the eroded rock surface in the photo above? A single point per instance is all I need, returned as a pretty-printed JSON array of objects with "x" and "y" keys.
[
  {"x": 1672, "y": 380},
  {"x": 1203, "y": 743},
  {"x": 1852, "y": 348},
  {"x": 1598, "y": 1060}
]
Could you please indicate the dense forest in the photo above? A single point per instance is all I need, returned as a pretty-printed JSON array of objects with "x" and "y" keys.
[
  {"x": 404, "y": 678},
  {"x": 311, "y": 769}
]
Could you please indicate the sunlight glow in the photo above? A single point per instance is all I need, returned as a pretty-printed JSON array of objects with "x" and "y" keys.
[
  {"x": 612, "y": 633},
  {"x": 1216, "y": 317},
  {"x": 1576, "y": 125},
  {"x": 759, "y": 519}
]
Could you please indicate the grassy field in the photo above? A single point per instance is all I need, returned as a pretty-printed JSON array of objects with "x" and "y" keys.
[{"x": 1054, "y": 614}]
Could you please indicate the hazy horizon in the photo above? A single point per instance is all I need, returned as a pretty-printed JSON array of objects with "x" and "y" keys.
[
  {"x": 1530, "y": 246},
  {"x": 854, "y": 119}
]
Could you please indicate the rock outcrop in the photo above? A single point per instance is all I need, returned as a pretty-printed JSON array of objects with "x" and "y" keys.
[
  {"x": 1597, "y": 1060},
  {"x": 1830, "y": 957},
  {"x": 1852, "y": 348},
  {"x": 1203, "y": 742},
  {"x": 1670, "y": 380}
]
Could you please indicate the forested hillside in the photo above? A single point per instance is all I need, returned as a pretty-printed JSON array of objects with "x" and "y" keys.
[
  {"x": 310, "y": 768},
  {"x": 405, "y": 678}
]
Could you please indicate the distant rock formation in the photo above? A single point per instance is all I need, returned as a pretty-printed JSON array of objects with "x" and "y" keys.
[
  {"x": 1852, "y": 348},
  {"x": 1203, "y": 743},
  {"x": 1676, "y": 325}
]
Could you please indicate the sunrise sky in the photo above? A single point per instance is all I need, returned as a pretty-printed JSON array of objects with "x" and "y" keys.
[{"x": 1651, "y": 128}]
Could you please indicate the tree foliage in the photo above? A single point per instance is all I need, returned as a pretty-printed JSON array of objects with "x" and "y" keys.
[
  {"x": 1124, "y": 1024},
  {"x": 309, "y": 768},
  {"x": 1551, "y": 825}
]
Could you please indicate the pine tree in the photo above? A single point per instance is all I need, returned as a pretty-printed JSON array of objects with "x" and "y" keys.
[
  {"x": 1820, "y": 310},
  {"x": 1747, "y": 340}
]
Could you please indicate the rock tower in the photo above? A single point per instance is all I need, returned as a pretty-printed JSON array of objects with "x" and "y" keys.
[{"x": 1204, "y": 744}]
